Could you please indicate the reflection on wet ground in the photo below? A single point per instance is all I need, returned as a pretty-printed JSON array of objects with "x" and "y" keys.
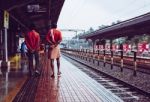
[
  {"x": 72, "y": 86},
  {"x": 13, "y": 78}
]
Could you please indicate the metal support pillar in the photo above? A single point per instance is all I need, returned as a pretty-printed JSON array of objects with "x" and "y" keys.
[
  {"x": 98, "y": 57},
  {"x": 93, "y": 50},
  {"x": 111, "y": 49},
  {"x": 89, "y": 55},
  {"x": 86, "y": 54},
  {"x": 121, "y": 52},
  {"x": 104, "y": 53},
  {"x": 135, "y": 64},
  {"x": 121, "y": 61},
  {"x": 4, "y": 64}
]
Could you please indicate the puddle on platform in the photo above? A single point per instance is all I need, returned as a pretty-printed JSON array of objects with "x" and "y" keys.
[{"x": 10, "y": 78}]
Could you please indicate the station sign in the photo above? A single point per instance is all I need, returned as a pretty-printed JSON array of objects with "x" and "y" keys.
[
  {"x": 101, "y": 48},
  {"x": 96, "y": 47},
  {"x": 107, "y": 47},
  {"x": 126, "y": 47},
  {"x": 6, "y": 19},
  {"x": 143, "y": 47},
  {"x": 114, "y": 47}
]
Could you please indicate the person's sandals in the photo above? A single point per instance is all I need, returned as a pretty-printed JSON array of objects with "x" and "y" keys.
[
  {"x": 58, "y": 73},
  {"x": 37, "y": 73},
  {"x": 52, "y": 76}
]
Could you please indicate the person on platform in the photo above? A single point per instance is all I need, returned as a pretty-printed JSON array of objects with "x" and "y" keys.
[
  {"x": 54, "y": 37},
  {"x": 23, "y": 50},
  {"x": 32, "y": 40}
]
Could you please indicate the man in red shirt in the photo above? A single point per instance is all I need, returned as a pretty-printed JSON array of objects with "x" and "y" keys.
[
  {"x": 54, "y": 38},
  {"x": 32, "y": 40}
]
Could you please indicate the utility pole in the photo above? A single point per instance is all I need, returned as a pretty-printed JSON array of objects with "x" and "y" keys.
[{"x": 76, "y": 32}]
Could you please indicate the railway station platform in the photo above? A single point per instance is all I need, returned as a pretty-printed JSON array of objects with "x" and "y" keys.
[{"x": 72, "y": 86}]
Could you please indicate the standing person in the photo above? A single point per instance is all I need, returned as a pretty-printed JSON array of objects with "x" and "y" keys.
[
  {"x": 23, "y": 50},
  {"x": 32, "y": 40},
  {"x": 54, "y": 38}
]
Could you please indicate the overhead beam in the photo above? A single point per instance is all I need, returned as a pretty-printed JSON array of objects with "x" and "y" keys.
[{"x": 19, "y": 5}]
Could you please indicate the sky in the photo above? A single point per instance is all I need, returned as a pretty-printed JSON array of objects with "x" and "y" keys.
[{"x": 83, "y": 14}]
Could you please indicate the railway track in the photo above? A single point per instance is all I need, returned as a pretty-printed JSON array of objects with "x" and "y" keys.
[
  {"x": 128, "y": 61},
  {"x": 124, "y": 90},
  {"x": 128, "y": 66}
]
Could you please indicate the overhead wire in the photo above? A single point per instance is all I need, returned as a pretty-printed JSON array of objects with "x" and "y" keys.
[
  {"x": 76, "y": 11},
  {"x": 137, "y": 9},
  {"x": 71, "y": 9},
  {"x": 131, "y": 3},
  {"x": 122, "y": 10},
  {"x": 82, "y": 3}
]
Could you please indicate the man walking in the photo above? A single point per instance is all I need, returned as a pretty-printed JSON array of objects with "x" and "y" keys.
[
  {"x": 32, "y": 40},
  {"x": 54, "y": 38}
]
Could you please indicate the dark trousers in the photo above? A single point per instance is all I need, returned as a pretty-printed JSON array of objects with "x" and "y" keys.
[{"x": 34, "y": 55}]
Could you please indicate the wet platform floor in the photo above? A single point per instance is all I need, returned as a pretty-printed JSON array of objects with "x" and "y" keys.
[
  {"x": 12, "y": 80},
  {"x": 72, "y": 86}
]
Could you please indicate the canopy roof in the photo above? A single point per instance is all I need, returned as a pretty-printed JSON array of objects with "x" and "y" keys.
[
  {"x": 131, "y": 27},
  {"x": 39, "y": 12}
]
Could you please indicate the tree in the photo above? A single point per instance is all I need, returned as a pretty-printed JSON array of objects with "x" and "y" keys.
[
  {"x": 102, "y": 26},
  {"x": 116, "y": 22},
  {"x": 91, "y": 29},
  {"x": 113, "y": 23}
]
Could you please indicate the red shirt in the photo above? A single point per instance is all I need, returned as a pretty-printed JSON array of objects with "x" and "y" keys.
[
  {"x": 54, "y": 36},
  {"x": 32, "y": 40}
]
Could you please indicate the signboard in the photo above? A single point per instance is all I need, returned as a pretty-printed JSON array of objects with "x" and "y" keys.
[
  {"x": 101, "y": 48},
  {"x": 96, "y": 47},
  {"x": 143, "y": 47},
  {"x": 107, "y": 47},
  {"x": 33, "y": 8},
  {"x": 114, "y": 47},
  {"x": 6, "y": 19},
  {"x": 126, "y": 47}
]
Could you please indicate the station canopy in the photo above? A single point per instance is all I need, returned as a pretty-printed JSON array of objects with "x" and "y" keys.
[
  {"x": 39, "y": 12},
  {"x": 134, "y": 26}
]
